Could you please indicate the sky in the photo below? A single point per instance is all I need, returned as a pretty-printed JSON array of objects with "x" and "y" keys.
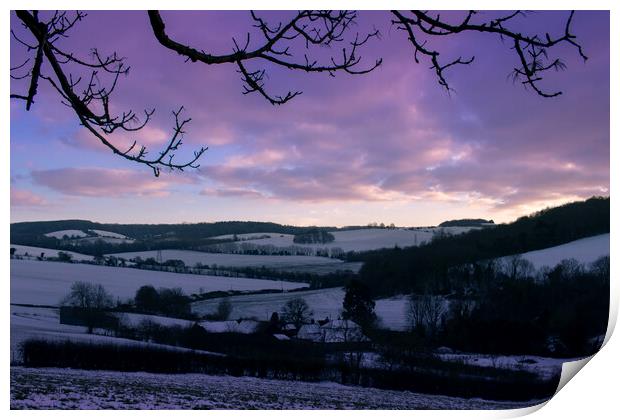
[{"x": 390, "y": 146}]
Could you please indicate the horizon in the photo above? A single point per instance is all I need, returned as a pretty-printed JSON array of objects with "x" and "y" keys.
[
  {"x": 324, "y": 225},
  {"x": 392, "y": 146}
]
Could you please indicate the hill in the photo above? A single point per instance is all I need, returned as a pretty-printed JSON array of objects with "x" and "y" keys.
[
  {"x": 393, "y": 271},
  {"x": 467, "y": 222}
]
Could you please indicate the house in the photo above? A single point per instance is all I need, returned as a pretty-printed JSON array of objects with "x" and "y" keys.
[
  {"x": 342, "y": 331},
  {"x": 337, "y": 331},
  {"x": 246, "y": 326},
  {"x": 310, "y": 332}
]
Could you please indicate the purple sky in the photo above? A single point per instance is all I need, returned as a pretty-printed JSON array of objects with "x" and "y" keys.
[{"x": 389, "y": 146}]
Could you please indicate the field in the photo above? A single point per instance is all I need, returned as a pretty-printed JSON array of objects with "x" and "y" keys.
[
  {"x": 78, "y": 389},
  {"x": 280, "y": 262},
  {"x": 584, "y": 250},
  {"x": 46, "y": 283},
  {"x": 43, "y": 323},
  {"x": 545, "y": 367},
  {"x": 59, "y": 234},
  {"x": 79, "y": 236},
  {"x": 33, "y": 251},
  {"x": 355, "y": 240},
  {"x": 323, "y": 302}
]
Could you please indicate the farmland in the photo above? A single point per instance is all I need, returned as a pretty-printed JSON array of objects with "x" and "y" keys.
[
  {"x": 281, "y": 262},
  {"x": 355, "y": 240},
  {"x": 32, "y": 251},
  {"x": 76, "y": 389},
  {"x": 46, "y": 283},
  {"x": 584, "y": 250},
  {"x": 43, "y": 323},
  {"x": 323, "y": 303}
]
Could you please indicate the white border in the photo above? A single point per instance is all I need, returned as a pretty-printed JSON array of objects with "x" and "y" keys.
[{"x": 592, "y": 394}]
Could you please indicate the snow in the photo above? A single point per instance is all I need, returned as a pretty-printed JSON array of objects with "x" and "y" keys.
[
  {"x": 190, "y": 258},
  {"x": 53, "y": 388},
  {"x": 362, "y": 239},
  {"x": 46, "y": 283},
  {"x": 133, "y": 319},
  {"x": 107, "y": 234},
  {"x": 335, "y": 331},
  {"x": 109, "y": 240},
  {"x": 281, "y": 337},
  {"x": 324, "y": 303},
  {"x": 59, "y": 234},
  {"x": 246, "y": 236},
  {"x": 545, "y": 367},
  {"x": 44, "y": 323},
  {"x": 243, "y": 327},
  {"x": 584, "y": 250},
  {"x": 33, "y": 251},
  {"x": 102, "y": 235}
]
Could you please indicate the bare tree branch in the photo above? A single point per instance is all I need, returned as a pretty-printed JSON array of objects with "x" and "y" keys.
[
  {"x": 92, "y": 105},
  {"x": 315, "y": 28},
  {"x": 532, "y": 50},
  {"x": 291, "y": 44}
]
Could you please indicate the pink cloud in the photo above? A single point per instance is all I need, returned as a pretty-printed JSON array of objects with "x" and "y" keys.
[
  {"x": 232, "y": 192},
  {"x": 102, "y": 182},
  {"x": 25, "y": 198}
]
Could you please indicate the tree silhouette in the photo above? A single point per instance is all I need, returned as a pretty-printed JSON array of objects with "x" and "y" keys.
[
  {"x": 314, "y": 29},
  {"x": 358, "y": 304}
]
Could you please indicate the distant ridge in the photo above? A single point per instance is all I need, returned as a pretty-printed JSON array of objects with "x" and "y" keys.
[{"x": 467, "y": 222}]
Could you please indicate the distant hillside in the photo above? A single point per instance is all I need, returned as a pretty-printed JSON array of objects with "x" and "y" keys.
[
  {"x": 393, "y": 271},
  {"x": 466, "y": 222},
  {"x": 147, "y": 236}
]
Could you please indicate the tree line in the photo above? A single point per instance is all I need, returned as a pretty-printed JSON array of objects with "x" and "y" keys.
[{"x": 417, "y": 269}]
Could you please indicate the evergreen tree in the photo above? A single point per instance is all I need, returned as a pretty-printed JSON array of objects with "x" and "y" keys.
[{"x": 358, "y": 304}]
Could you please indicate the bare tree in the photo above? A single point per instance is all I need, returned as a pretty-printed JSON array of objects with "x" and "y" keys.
[
  {"x": 296, "y": 311},
  {"x": 424, "y": 313},
  {"x": 517, "y": 267},
  {"x": 90, "y": 299},
  {"x": 277, "y": 47}
]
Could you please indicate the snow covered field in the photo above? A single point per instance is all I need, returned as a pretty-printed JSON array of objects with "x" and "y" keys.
[
  {"x": 33, "y": 251},
  {"x": 100, "y": 235},
  {"x": 355, "y": 240},
  {"x": 545, "y": 367},
  {"x": 80, "y": 389},
  {"x": 31, "y": 322},
  {"x": 46, "y": 283},
  {"x": 584, "y": 250},
  {"x": 107, "y": 234},
  {"x": 323, "y": 303},
  {"x": 59, "y": 234},
  {"x": 360, "y": 239},
  {"x": 283, "y": 262}
]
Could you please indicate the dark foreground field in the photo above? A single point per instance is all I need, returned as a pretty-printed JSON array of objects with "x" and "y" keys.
[{"x": 81, "y": 389}]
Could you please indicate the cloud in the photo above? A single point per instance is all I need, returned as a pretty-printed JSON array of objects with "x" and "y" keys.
[
  {"x": 25, "y": 198},
  {"x": 232, "y": 192},
  {"x": 390, "y": 135},
  {"x": 103, "y": 182}
]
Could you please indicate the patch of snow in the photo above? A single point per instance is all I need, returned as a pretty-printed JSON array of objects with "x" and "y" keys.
[
  {"x": 80, "y": 389},
  {"x": 545, "y": 367},
  {"x": 60, "y": 234},
  {"x": 584, "y": 250},
  {"x": 107, "y": 234},
  {"x": 324, "y": 303},
  {"x": 33, "y": 251},
  {"x": 243, "y": 327},
  {"x": 46, "y": 283},
  {"x": 190, "y": 258}
]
